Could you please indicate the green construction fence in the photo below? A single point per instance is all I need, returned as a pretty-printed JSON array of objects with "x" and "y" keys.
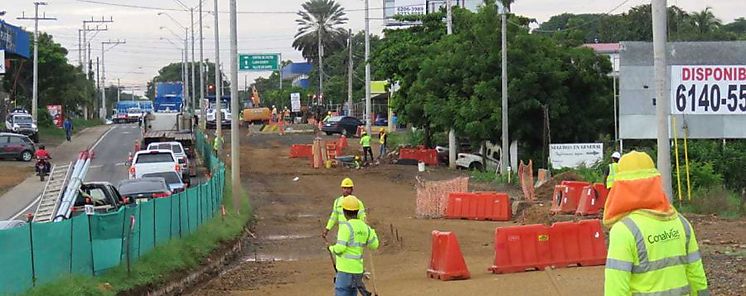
[{"x": 38, "y": 253}]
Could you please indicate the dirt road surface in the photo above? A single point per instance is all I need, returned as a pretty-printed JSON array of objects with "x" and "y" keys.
[{"x": 288, "y": 256}]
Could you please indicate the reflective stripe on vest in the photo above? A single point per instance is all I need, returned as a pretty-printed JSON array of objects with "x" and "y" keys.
[
  {"x": 685, "y": 290},
  {"x": 646, "y": 265}
]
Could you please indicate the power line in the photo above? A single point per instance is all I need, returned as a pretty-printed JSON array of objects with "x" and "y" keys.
[
  {"x": 593, "y": 21},
  {"x": 238, "y": 12}
]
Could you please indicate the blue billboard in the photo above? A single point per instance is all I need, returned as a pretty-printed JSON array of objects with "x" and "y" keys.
[{"x": 14, "y": 40}]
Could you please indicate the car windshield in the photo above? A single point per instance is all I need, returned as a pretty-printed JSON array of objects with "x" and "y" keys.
[
  {"x": 130, "y": 187},
  {"x": 166, "y": 146},
  {"x": 170, "y": 177},
  {"x": 335, "y": 118},
  {"x": 24, "y": 119},
  {"x": 154, "y": 157}
]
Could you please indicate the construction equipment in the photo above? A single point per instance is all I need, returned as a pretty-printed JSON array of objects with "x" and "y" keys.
[{"x": 52, "y": 194}]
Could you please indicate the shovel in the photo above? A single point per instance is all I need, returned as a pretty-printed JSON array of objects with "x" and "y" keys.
[{"x": 331, "y": 257}]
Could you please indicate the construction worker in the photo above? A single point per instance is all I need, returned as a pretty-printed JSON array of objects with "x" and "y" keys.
[
  {"x": 353, "y": 236},
  {"x": 328, "y": 116},
  {"x": 337, "y": 216},
  {"x": 652, "y": 248},
  {"x": 365, "y": 142},
  {"x": 613, "y": 167},
  {"x": 217, "y": 143},
  {"x": 382, "y": 137}
]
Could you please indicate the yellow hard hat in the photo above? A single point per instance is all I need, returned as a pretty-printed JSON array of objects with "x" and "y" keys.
[
  {"x": 635, "y": 160},
  {"x": 350, "y": 203},
  {"x": 347, "y": 183},
  {"x": 329, "y": 112}
]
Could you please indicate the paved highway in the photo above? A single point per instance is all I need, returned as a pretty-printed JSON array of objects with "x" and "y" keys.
[{"x": 111, "y": 153}]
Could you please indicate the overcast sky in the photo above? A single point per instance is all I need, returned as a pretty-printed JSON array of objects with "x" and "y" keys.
[{"x": 269, "y": 31}]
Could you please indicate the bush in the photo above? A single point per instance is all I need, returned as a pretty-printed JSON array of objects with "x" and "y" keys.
[
  {"x": 715, "y": 201},
  {"x": 406, "y": 138},
  {"x": 43, "y": 118}
]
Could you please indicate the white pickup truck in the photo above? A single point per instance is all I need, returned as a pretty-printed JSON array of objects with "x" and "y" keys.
[
  {"x": 475, "y": 161},
  {"x": 153, "y": 161}
]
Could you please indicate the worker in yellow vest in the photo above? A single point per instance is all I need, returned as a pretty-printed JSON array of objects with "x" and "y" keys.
[
  {"x": 353, "y": 236},
  {"x": 367, "y": 150},
  {"x": 337, "y": 215},
  {"x": 382, "y": 139},
  {"x": 652, "y": 248},
  {"x": 613, "y": 167}
]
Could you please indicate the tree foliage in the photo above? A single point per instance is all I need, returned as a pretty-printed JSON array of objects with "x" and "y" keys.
[
  {"x": 173, "y": 71},
  {"x": 319, "y": 17}
]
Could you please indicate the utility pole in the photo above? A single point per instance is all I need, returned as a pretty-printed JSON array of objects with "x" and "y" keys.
[
  {"x": 321, "y": 65},
  {"x": 80, "y": 50},
  {"x": 36, "y": 18},
  {"x": 104, "y": 111},
  {"x": 119, "y": 90},
  {"x": 235, "y": 151},
  {"x": 86, "y": 43},
  {"x": 662, "y": 104},
  {"x": 349, "y": 75},
  {"x": 218, "y": 80},
  {"x": 367, "y": 69},
  {"x": 194, "y": 86},
  {"x": 98, "y": 80},
  {"x": 201, "y": 73},
  {"x": 451, "y": 133},
  {"x": 505, "y": 153}
]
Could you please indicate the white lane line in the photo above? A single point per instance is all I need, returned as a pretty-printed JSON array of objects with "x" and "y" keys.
[
  {"x": 102, "y": 138},
  {"x": 21, "y": 212}
]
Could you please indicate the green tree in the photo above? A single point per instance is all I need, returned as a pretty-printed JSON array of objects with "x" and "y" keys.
[
  {"x": 172, "y": 72},
  {"x": 705, "y": 21},
  {"x": 319, "y": 21}
]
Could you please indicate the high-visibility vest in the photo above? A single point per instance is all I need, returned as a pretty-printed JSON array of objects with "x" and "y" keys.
[
  {"x": 352, "y": 237},
  {"x": 651, "y": 254},
  {"x": 613, "y": 167},
  {"x": 338, "y": 216},
  {"x": 382, "y": 138},
  {"x": 365, "y": 140}
]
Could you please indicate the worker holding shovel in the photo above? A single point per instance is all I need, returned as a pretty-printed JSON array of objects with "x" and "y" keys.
[{"x": 353, "y": 236}]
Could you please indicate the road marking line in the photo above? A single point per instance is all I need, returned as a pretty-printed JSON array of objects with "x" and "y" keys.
[
  {"x": 102, "y": 138},
  {"x": 38, "y": 198}
]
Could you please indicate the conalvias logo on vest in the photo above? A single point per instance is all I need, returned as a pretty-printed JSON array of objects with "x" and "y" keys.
[{"x": 671, "y": 234}]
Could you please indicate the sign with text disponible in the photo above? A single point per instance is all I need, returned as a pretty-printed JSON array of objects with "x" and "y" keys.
[
  {"x": 410, "y": 7},
  {"x": 259, "y": 62},
  {"x": 575, "y": 155},
  {"x": 708, "y": 90},
  {"x": 295, "y": 102}
]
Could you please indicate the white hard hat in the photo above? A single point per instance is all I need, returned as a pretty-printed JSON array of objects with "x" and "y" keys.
[{"x": 616, "y": 155}]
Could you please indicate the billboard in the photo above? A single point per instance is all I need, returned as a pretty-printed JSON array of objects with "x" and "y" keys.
[
  {"x": 14, "y": 40},
  {"x": 55, "y": 111},
  {"x": 706, "y": 90},
  {"x": 410, "y": 7},
  {"x": 575, "y": 155}
]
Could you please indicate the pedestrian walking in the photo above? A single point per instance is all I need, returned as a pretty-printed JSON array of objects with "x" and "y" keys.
[
  {"x": 382, "y": 139},
  {"x": 612, "y": 170},
  {"x": 652, "y": 248},
  {"x": 337, "y": 215},
  {"x": 365, "y": 142},
  {"x": 353, "y": 236},
  {"x": 68, "y": 125}
]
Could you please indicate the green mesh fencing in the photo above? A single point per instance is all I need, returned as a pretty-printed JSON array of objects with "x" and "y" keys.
[{"x": 38, "y": 253}]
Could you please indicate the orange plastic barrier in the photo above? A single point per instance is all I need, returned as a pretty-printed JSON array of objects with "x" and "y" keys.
[
  {"x": 446, "y": 261},
  {"x": 428, "y": 156},
  {"x": 479, "y": 206},
  {"x": 566, "y": 197},
  {"x": 592, "y": 200},
  {"x": 332, "y": 150},
  {"x": 342, "y": 142},
  {"x": 535, "y": 247},
  {"x": 301, "y": 150}
]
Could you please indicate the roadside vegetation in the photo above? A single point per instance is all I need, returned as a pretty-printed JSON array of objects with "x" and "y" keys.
[{"x": 49, "y": 134}]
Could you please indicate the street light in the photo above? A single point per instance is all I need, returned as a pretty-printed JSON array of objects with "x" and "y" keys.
[{"x": 186, "y": 53}]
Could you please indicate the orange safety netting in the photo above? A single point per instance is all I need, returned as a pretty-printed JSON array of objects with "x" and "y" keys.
[
  {"x": 432, "y": 196},
  {"x": 526, "y": 175}
]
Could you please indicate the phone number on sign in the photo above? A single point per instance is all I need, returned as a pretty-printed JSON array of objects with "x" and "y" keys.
[{"x": 721, "y": 98}]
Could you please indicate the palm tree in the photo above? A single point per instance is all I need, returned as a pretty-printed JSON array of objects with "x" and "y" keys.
[
  {"x": 705, "y": 21},
  {"x": 318, "y": 28}
]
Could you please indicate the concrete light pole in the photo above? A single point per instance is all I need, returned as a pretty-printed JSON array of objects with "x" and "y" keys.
[
  {"x": 235, "y": 128},
  {"x": 36, "y": 18},
  {"x": 452, "y": 133},
  {"x": 368, "y": 106},
  {"x": 662, "y": 104},
  {"x": 201, "y": 73},
  {"x": 505, "y": 153},
  {"x": 218, "y": 79}
]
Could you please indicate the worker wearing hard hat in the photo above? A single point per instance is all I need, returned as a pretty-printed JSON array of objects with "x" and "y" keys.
[
  {"x": 328, "y": 116},
  {"x": 367, "y": 150},
  {"x": 337, "y": 215},
  {"x": 652, "y": 248},
  {"x": 353, "y": 236},
  {"x": 382, "y": 139},
  {"x": 613, "y": 167}
]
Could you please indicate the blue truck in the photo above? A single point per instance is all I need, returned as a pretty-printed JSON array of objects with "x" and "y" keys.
[
  {"x": 168, "y": 97},
  {"x": 131, "y": 111}
]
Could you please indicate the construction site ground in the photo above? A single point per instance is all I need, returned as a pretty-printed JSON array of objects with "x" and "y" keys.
[{"x": 288, "y": 257}]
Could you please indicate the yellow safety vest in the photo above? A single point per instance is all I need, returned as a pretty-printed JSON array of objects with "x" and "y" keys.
[
  {"x": 613, "y": 167},
  {"x": 365, "y": 140},
  {"x": 352, "y": 237},
  {"x": 651, "y": 254},
  {"x": 338, "y": 216}
]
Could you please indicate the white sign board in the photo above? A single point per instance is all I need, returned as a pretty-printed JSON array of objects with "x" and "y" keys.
[
  {"x": 410, "y": 7},
  {"x": 708, "y": 90},
  {"x": 575, "y": 155},
  {"x": 295, "y": 102},
  {"x": 2, "y": 61},
  {"x": 89, "y": 210}
]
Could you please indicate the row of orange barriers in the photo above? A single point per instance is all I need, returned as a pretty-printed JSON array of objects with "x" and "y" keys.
[
  {"x": 523, "y": 248},
  {"x": 491, "y": 206},
  {"x": 579, "y": 198},
  {"x": 332, "y": 149},
  {"x": 422, "y": 154}
]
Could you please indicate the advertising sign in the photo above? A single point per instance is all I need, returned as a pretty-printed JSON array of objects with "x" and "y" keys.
[
  {"x": 14, "y": 40},
  {"x": 295, "y": 102},
  {"x": 259, "y": 62},
  {"x": 708, "y": 90},
  {"x": 575, "y": 155},
  {"x": 56, "y": 112},
  {"x": 410, "y": 7}
]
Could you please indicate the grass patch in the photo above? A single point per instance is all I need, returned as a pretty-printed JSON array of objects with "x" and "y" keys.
[
  {"x": 52, "y": 135},
  {"x": 715, "y": 201},
  {"x": 157, "y": 266},
  {"x": 491, "y": 177},
  {"x": 406, "y": 138}
]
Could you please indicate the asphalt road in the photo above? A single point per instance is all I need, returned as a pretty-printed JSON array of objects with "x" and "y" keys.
[{"x": 111, "y": 154}]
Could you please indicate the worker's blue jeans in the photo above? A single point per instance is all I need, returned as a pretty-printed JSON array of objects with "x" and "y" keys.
[{"x": 347, "y": 284}]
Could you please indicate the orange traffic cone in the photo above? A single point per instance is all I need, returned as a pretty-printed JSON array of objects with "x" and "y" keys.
[{"x": 446, "y": 261}]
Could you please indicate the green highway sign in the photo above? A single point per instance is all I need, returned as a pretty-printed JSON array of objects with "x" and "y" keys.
[{"x": 259, "y": 62}]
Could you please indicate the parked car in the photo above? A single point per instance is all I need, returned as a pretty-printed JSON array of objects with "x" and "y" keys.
[
  {"x": 144, "y": 189},
  {"x": 103, "y": 196},
  {"x": 8, "y": 224},
  {"x": 22, "y": 123},
  {"x": 475, "y": 161},
  {"x": 16, "y": 146},
  {"x": 464, "y": 146},
  {"x": 153, "y": 161},
  {"x": 173, "y": 180},
  {"x": 345, "y": 125},
  {"x": 179, "y": 152}
]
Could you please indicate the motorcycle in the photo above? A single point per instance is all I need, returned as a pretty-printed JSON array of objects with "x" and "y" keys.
[{"x": 42, "y": 168}]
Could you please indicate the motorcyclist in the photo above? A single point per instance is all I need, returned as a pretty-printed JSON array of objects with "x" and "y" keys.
[{"x": 42, "y": 155}]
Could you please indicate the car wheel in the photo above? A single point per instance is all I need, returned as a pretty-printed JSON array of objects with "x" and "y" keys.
[
  {"x": 475, "y": 166},
  {"x": 26, "y": 156}
]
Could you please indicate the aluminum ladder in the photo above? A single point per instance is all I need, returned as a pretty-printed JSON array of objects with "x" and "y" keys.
[{"x": 52, "y": 194}]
